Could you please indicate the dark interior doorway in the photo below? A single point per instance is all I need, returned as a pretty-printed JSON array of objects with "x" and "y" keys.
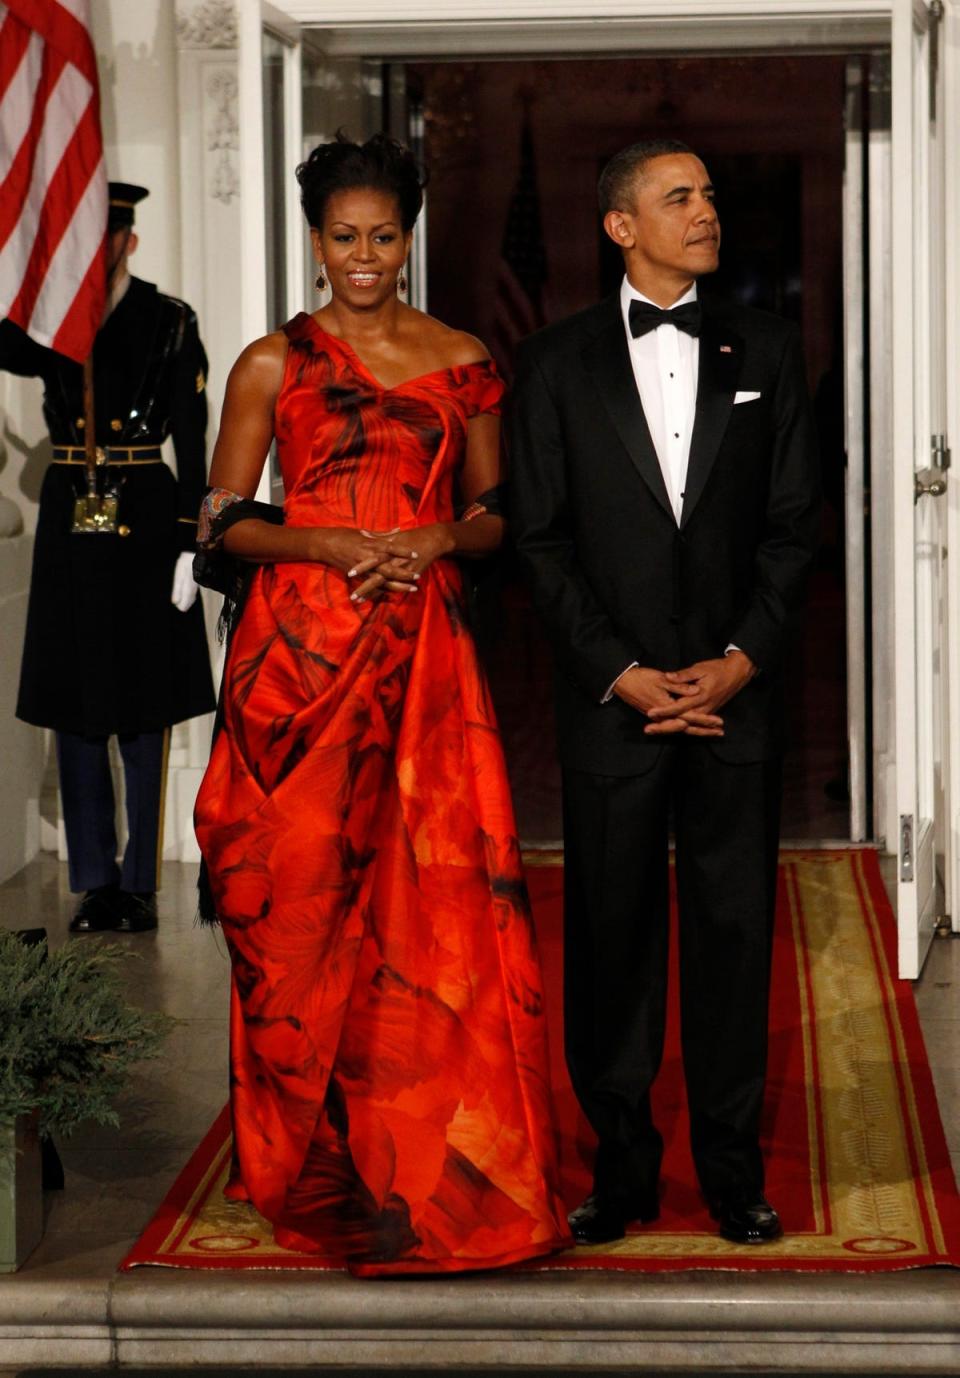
[{"x": 770, "y": 130}]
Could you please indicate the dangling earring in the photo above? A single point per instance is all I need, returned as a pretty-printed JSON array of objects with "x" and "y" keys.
[
  {"x": 321, "y": 281},
  {"x": 402, "y": 281}
]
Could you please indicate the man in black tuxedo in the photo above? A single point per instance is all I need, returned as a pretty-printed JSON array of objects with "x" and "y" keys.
[{"x": 665, "y": 505}]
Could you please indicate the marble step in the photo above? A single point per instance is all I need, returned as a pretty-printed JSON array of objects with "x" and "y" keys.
[{"x": 644, "y": 1323}]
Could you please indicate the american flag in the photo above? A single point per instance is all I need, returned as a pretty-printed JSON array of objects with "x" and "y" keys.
[
  {"x": 518, "y": 308},
  {"x": 53, "y": 182}
]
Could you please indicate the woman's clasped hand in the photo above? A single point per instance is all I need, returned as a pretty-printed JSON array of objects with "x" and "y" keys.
[{"x": 380, "y": 562}]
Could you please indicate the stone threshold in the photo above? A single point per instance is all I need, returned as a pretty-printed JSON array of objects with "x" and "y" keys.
[{"x": 709, "y": 1322}]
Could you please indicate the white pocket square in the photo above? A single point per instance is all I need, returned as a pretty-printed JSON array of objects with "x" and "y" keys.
[{"x": 745, "y": 397}]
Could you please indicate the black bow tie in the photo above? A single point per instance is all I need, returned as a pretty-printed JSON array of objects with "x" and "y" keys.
[{"x": 645, "y": 316}]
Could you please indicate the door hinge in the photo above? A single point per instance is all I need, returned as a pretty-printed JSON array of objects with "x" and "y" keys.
[
  {"x": 924, "y": 485},
  {"x": 906, "y": 846},
  {"x": 939, "y": 452}
]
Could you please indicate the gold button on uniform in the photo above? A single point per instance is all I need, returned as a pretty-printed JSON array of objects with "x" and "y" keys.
[{"x": 116, "y": 424}]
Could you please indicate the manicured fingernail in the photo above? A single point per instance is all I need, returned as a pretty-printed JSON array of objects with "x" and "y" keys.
[
  {"x": 354, "y": 597},
  {"x": 351, "y": 574},
  {"x": 416, "y": 576},
  {"x": 413, "y": 555}
]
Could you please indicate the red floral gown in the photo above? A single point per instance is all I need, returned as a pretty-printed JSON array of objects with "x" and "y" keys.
[{"x": 389, "y": 1076}]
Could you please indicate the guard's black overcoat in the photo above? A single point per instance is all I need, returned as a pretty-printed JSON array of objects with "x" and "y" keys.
[{"x": 105, "y": 649}]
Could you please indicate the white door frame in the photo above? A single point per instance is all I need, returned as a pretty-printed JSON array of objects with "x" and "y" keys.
[
  {"x": 253, "y": 237},
  {"x": 950, "y": 56},
  {"x": 855, "y": 210},
  {"x": 253, "y": 17},
  {"x": 572, "y": 27},
  {"x": 925, "y": 585},
  {"x": 508, "y": 27}
]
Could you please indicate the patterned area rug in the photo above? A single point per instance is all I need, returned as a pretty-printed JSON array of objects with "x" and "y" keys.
[{"x": 858, "y": 1163}]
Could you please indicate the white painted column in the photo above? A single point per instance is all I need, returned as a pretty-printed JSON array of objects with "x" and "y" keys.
[{"x": 210, "y": 236}]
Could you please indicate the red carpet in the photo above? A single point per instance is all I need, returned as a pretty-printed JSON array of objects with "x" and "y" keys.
[{"x": 858, "y": 1163}]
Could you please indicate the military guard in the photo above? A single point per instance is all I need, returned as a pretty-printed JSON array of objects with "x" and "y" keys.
[{"x": 115, "y": 642}]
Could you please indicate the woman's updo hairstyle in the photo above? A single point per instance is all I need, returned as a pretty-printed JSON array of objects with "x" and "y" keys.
[{"x": 382, "y": 163}]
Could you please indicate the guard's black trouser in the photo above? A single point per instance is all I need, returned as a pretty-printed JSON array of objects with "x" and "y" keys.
[{"x": 89, "y": 809}]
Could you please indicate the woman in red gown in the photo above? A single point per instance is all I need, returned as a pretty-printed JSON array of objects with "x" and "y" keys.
[{"x": 389, "y": 1080}]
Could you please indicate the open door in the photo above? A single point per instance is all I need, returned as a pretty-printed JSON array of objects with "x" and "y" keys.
[
  {"x": 856, "y": 183},
  {"x": 270, "y": 119},
  {"x": 921, "y": 473}
]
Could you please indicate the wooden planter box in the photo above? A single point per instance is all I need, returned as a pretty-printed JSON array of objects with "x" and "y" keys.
[{"x": 21, "y": 1192}]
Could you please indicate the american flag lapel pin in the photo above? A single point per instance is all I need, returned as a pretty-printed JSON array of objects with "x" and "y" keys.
[{"x": 726, "y": 349}]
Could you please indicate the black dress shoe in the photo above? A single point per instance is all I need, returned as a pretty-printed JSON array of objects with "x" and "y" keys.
[
  {"x": 601, "y": 1219},
  {"x": 98, "y": 911},
  {"x": 747, "y": 1219},
  {"x": 138, "y": 913}
]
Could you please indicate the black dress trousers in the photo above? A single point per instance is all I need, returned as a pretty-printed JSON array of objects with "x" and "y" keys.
[{"x": 616, "y": 831}]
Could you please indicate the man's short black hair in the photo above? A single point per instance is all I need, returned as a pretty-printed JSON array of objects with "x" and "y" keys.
[{"x": 617, "y": 179}]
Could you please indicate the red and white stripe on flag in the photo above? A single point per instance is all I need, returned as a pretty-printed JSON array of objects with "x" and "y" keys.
[{"x": 53, "y": 181}]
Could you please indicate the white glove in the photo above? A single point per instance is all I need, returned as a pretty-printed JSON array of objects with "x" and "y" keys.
[{"x": 184, "y": 585}]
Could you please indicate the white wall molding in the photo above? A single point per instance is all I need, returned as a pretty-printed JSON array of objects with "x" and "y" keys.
[
  {"x": 21, "y": 746},
  {"x": 210, "y": 24},
  {"x": 207, "y": 88},
  {"x": 223, "y": 137}
]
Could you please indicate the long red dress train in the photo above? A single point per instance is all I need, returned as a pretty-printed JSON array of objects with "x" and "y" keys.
[{"x": 389, "y": 1078}]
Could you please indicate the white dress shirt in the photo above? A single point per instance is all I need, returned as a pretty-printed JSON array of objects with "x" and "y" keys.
[{"x": 665, "y": 365}]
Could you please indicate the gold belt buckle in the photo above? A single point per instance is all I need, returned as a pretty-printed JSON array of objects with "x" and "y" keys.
[{"x": 95, "y": 514}]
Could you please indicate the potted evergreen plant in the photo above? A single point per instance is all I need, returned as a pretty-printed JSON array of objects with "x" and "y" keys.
[{"x": 68, "y": 1043}]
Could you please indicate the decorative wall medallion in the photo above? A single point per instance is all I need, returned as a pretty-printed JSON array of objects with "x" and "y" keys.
[
  {"x": 211, "y": 24},
  {"x": 223, "y": 139}
]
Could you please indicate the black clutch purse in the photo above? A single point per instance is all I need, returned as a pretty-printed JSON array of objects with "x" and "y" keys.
[{"x": 215, "y": 568}]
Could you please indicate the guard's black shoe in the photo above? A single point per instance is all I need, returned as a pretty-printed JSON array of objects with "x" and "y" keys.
[
  {"x": 98, "y": 911},
  {"x": 746, "y": 1219},
  {"x": 601, "y": 1219},
  {"x": 138, "y": 913}
]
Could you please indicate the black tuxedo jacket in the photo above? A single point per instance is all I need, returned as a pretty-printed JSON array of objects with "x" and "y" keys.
[{"x": 614, "y": 578}]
